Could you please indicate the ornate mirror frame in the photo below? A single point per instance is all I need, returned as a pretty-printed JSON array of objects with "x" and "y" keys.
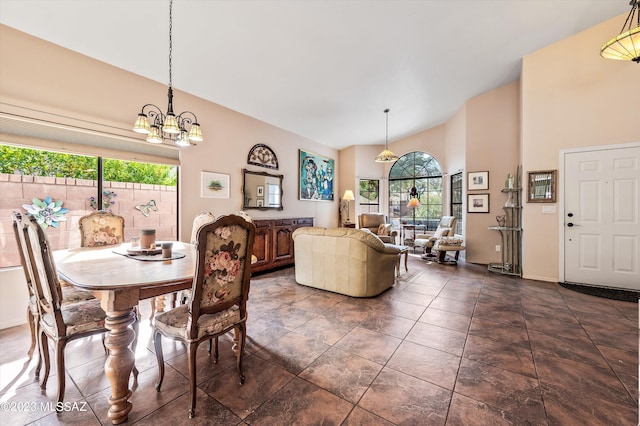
[{"x": 261, "y": 190}]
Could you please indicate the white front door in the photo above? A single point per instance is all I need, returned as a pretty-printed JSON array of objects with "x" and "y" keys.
[{"x": 601, "y": 217}]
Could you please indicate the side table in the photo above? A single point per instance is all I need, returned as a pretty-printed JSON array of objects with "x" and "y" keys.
[
  {"x": 348, "y": 225},
  {"x": 403, "y": 250}
]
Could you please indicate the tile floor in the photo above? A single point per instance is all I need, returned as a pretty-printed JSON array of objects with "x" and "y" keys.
[{"x": 452, "y": 345}]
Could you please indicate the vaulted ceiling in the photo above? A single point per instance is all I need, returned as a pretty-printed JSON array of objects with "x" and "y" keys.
[{"x": 324, "y": 69}]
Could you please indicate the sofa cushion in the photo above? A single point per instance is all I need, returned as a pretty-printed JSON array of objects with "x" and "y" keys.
[{"x": 441, "y": 232}]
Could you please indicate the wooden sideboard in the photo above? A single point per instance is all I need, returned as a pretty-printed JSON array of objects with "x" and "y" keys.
[{"x": 273, "y": 244}]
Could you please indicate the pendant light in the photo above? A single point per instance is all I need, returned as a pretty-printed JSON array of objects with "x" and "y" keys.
[
  {"x": 626, "y": 46},
  {"x": 168, "y": 126},
  {"x": 386, "y": 156}
]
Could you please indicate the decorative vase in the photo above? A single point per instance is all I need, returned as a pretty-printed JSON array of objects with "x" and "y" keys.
[{"x": 509, "y": 202}]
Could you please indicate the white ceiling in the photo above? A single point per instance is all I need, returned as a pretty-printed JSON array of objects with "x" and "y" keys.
[{"x": 322, "y": 69}]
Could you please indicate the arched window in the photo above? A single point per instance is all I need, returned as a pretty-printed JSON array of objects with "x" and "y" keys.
[{"x": 421, "y": 171}]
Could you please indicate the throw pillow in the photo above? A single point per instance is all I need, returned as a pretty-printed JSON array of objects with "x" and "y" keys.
[
  {"x": 384, "y": 229},
  {"x": 441, "y": 232}
]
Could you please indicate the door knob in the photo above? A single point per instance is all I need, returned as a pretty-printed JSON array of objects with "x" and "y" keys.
[{"x": 571, "y": 225}]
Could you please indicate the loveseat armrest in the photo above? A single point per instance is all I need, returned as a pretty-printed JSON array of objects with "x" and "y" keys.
[{"x": 391, "y": 249}]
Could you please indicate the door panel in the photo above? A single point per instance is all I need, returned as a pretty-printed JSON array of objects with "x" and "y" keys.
[{"x": 602, "y": 224}]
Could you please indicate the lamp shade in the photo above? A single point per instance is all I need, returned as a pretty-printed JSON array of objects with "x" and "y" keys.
[
  {"x": 386, "y": 156},
  {"x": 348, "y": 195},
  {"x": 413, "y": 203},
  {"x": 625, "y": 47}
]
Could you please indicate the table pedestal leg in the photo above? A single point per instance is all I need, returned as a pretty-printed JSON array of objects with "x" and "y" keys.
[{"x": 119, "y": 363}]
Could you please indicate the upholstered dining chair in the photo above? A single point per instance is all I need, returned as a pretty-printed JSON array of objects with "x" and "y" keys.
[
  {"x": 69, "y": 294},
  {"x": 219, "y": 294},
  {"x": 201, "y": 218},
  {"x": 101, "y": 228},
  {"x": 59, "y": 322}
]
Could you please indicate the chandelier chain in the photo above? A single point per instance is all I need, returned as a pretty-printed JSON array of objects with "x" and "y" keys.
[{"x": 170, "y": 39}]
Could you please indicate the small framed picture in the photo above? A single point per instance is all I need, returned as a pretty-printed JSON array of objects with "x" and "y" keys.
[
  {"x": 260, "y": 191},
  {"x": 477, "y": 203},
  {"x": 259, "y": 202},
  {"x": 477, "y": 181},
  {"x": 214, "y": 185}
]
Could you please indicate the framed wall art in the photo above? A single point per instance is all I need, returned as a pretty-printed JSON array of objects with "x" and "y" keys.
[
  {"x": 214, "y": 185},
  {"x": 477, "y": 203},
  {"x": 315, "y": 181},
  {"x": 263, "y": 156},
  {"x": 477, "y": 181},
  {"x": 542, "y": 186}
]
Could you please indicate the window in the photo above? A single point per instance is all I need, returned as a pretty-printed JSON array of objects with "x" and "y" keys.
[
  {"x": 369, "y": 195},
  {"x": 422, "y": 171},
  {"x": 144, "y": 194},
  {"x": 456, "y": 200}
]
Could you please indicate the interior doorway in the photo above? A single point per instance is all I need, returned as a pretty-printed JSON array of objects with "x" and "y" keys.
[{"x": 601, "y": 218}]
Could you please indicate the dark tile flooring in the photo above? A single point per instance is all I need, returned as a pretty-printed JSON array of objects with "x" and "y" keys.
[{"x": 452, "y": 345}]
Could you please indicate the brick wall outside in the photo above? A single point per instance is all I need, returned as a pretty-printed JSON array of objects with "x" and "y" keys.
[{"x": 16, "y": 190}]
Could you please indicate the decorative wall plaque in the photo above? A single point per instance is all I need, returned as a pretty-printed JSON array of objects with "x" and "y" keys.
[{"x": 263, "y": 156}]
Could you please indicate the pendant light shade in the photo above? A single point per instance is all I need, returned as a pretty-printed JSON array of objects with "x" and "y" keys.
[
  {"x": 626, "y": 46},
  {"x": 386, "y": 156}
]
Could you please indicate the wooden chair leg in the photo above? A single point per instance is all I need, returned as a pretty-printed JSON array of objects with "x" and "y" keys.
[
  {"x": 61, "y": 373},
  {"x": 192, "y": 348},
  {"x": 44, "y": 354},
  {"x": 32, "y": 327},
  {"x": 160, "y": 358}
]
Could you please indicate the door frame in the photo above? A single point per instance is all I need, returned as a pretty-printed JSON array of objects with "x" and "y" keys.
[{"x": 561, "y": 193}]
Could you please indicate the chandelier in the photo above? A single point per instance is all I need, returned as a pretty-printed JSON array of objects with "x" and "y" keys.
[
  {"x": 386, "y": 156},
  {"x": 168, "y": 126},
  {"x": 626, "y": 46}
]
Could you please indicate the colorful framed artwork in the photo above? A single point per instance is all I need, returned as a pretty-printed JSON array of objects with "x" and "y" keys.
[
  {"x": 477, "y": 203},
  {"x": 214, "y": 185},
  {"x": 315, "y": 181},
  {"x": 477, "y": 181}
]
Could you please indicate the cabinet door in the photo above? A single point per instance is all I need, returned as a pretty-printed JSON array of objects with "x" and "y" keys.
[
  {"x": 261, "y": 247},
  {"x": 283, "y": 244}
]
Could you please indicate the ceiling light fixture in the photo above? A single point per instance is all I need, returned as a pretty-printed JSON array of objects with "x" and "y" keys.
[
  {"x": 626, "y": 46},
  {"x": 386, "y": 156},
  {"x": 168, "y": 126}
]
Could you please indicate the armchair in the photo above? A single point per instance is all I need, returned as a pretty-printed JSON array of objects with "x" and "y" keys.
[
  {"x": 378, "y": 225},
  {"x": 446, "y": 227}
]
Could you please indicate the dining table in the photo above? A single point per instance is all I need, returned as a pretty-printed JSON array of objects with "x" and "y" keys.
[{"x": 119, "y": 276}]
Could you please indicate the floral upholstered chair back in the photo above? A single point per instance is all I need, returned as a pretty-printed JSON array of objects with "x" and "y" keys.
[
  {"x": 224, "y": 266},
  {"x": 101, "y": 229}
]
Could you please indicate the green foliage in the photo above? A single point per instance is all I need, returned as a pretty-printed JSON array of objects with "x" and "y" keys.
[{"x": 32, "y": 162}]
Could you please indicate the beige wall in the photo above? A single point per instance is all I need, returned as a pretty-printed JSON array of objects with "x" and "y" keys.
[
  {"x": 571, "y": 98},
  {"x": 492, "y": 144},
  {"x": 73, "y": 88}
]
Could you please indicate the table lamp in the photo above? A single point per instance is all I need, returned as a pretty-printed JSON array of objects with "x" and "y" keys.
[
  {"x": 348, "y": 196},
  {"x": 413, "y": 204}
]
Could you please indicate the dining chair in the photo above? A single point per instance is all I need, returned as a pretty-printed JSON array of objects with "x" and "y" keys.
[
  {"x": 60, "y": 322},
  {"x": 102, "y": 228},
  {"x": 69, "y": 294},
  {"x": 219, "y": 294},
  {"x": 201, "y": 218}
]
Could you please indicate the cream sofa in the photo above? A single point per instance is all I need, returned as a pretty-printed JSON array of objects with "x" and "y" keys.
[{"x": 344, "y": 260}]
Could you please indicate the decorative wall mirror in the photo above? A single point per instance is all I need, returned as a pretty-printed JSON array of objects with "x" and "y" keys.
[
  {"x": 261, "y": 190},
  {"x": 542, "y": 186}
]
